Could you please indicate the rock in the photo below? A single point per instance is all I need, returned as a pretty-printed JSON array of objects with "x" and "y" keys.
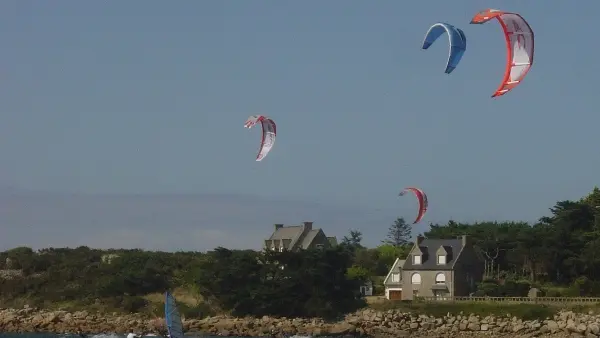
[
  {"x": 368, "y": 322},
  {"x": 518, "y": 328},
  {"x": 594, "y": 328},
  {"x": 341, "y": 329},
  {"x": 474, "y": 326},
  {"x": 553, "y": 326}
]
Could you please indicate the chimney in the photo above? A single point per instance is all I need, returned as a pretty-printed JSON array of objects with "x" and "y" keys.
[
  {"x": 463, "y": 239},
  {"x": 420, "y": 239},
  {"x": 308, "y": 226},
  {"x": 278, "y": 226}
]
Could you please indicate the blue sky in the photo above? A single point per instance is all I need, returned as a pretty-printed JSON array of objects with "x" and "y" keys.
[{"x": 148, "y": 97}]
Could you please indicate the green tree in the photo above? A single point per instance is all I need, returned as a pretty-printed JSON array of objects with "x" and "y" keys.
[
  {"x": 353, "y": 240},
  {"x": 398, "y": 233},
  {"x": 358, "y": 273},
  {"x": 308, "y": 283},
  {"x": 388, "y": 253}
]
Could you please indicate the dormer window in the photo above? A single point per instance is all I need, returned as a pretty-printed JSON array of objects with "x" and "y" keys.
[
  {"x": 417, "y": 259},
  {"x": 442, "y": 255},
  {"x": 441, "y": 259}
]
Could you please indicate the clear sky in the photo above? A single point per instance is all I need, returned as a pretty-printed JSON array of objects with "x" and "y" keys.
[{"x": 150, "y": 97}]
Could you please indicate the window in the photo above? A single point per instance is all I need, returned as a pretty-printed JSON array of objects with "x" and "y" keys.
[
  {"x": 416, "y": 278},
  {"x": 319, "y": 246},
  {"x": 440, "y": 278},
  {"x": 441, "y": 259},
  {"x": 395, "y": 277},
  {"x": 417, "y": 259}
]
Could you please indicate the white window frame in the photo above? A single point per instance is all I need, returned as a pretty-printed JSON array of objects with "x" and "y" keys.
[
  {"x": 439, "y": 280},
  {"x": 415, "y": 278},
  {"x": 417, "y": 259},
  {"x": 443, "y": 257},
  {"x": 395, "y": 277}
]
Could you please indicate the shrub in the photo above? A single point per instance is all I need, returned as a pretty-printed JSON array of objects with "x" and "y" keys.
[{"x": 198, "y": 311}]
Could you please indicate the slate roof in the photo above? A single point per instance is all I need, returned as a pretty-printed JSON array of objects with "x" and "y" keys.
[
  {"x": 429, "y": 247},
  {"x": 293, "y": 234}
]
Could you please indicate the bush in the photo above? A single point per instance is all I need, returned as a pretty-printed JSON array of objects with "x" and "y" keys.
[
  {"x": 510, "y": 288},
  {"x": 198, "y": 311},
  {"x": 129, "y": 304},
  {"x": 312, "y": 283}
]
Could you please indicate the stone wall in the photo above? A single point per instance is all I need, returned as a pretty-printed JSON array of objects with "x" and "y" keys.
[{"x": 362, "y": 323}]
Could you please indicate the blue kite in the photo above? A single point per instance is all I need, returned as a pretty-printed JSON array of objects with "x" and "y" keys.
[{"x": 456, "y": 37}]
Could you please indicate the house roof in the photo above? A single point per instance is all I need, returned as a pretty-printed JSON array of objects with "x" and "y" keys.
[
  {"x": 291, "y": 233},
  {"x": 310, "y": 236},
  {"x": 288, "y": 232},
  {"x": 294, "y": 233},
  {"x": 428, "y": 249}
]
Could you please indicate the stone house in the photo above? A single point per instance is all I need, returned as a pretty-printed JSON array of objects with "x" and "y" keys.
[
  {"x": 296, "y": 237},
  {"x": 438, "y": 268}
]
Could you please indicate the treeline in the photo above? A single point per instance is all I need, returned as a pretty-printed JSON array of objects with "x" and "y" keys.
[
  {"x": 241, "y": 282},
  {"x": 115, "y": 279},
  {"x": 560, "y": 254},
  {"x": 561, "y": 249}
]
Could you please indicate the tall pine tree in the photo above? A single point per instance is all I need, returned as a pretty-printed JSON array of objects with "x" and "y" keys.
[{"x": 398, "y": 233}]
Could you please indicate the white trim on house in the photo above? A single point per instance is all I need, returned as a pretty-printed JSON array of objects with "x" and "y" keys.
[{"x": 390, "y": 272}]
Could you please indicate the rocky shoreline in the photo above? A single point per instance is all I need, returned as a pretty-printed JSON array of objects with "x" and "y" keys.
[{"x": 366, "y": 322}]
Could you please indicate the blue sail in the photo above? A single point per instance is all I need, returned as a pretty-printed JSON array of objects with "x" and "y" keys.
[
  {"x": 457, "y": 39},
  {"x": 172, "y": 317}
]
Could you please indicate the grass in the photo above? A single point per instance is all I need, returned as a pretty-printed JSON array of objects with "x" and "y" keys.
[
  {"x": 182, "y": 295},
  {"x": 375, "y": 300},
  {"x": 189, "y": 304}
]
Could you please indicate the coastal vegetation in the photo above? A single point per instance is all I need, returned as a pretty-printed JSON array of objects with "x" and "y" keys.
[{"x": 559, "y": 254}]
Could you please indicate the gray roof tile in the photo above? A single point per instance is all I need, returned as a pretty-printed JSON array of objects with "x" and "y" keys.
[
  {"x": 310, "y": 236},
  {"x": 429, "y": 247}
]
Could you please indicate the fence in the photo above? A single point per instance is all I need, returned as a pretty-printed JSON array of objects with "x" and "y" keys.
[{"x": 517, "y": 300}]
